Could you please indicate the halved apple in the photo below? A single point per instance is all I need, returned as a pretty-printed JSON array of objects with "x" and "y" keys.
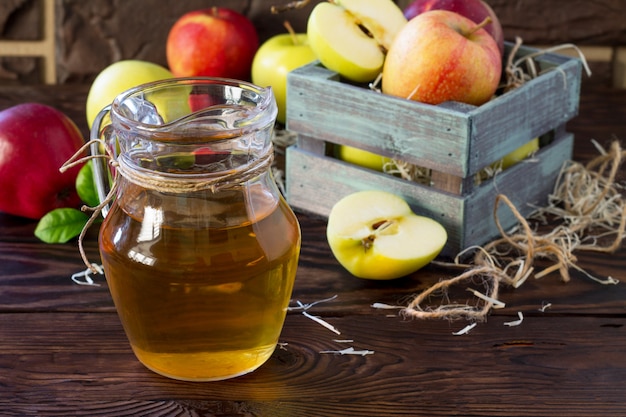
[
  {"x": 376, "y": 235},
  {"x": 351, "y": 37}
]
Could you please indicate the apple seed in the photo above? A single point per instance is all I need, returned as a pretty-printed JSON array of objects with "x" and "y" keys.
[{"x": 378, "y": 228}]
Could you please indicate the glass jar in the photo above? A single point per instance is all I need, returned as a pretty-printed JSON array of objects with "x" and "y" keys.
[{"x": 198, "y": 246}]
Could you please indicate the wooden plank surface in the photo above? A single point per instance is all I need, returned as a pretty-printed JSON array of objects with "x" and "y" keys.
[
  {"x": 63, "y": 351},
  {"x": 416, "y": 368}
]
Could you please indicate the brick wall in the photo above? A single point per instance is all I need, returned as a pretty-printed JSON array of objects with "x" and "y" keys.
[{"x": 70, "y": 41}]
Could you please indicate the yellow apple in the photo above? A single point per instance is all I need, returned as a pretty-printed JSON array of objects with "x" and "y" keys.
[
  {"x": 520, "y": 153},
  {"x": 510, "y": 159},
  {"x": 376, "y": 235},
  {"x": 277, "y": 57},
  {"x": 117, "y": 78},
  {"x": 361, "y": 157},
  {"x": 337, "y": 37},
  {"x": 442, "y": 56}
]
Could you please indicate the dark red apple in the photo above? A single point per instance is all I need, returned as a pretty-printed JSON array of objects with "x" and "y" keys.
[
  {"x": 475, "y": 10},
  {"x": 35, "y": 140}
]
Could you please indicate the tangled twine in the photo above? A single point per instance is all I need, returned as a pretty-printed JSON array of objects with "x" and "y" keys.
[{"x": 587, "y": 201}]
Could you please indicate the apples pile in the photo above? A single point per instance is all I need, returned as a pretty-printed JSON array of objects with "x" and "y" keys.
[{"x": 434, "y": 51}]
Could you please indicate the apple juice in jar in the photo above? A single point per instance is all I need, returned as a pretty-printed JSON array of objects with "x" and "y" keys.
[
  {"x": 200, "y": 253},
  {"x": 201, "y": 300}
]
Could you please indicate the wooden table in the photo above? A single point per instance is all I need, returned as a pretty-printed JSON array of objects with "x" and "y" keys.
[{"x": 63, "y": 351}]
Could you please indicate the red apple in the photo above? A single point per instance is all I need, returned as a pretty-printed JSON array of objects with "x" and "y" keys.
[
  {"x": 213, "y": 42},
  {"x": 35, "y": 140},
  {"x": 442, "y": 56},
  {"x": 475, "y": 10}
]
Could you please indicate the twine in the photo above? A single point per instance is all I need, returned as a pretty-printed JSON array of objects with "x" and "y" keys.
[
  {"x": 146, "y": 179},
  {"x": 170, "y": 184},
  {"x": 586, "y": 198}
]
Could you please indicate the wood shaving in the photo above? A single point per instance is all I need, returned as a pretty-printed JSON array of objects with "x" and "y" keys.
[
  {"x": 544, "y": 307},
  {"x": 493, "y": 301},
  {"x": 318, "y": 320},
  {"x": 408, "y": 171},
  {"x": 465, "y": 330},
  {"x": 523, "y": 69},
  {"x": 86, "y": 275},
  {"x": 349, "y": 351},
  {"x": 302, "y": 306},
  {"x": 383, "y": 306},
  {"x": 515, "y": 322}
]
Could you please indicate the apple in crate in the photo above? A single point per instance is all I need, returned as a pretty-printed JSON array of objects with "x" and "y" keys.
[
  {"x": 475, "y": 10},
  {"x": 376, "y": 235},
  {"x": 442, "y": 56},
  {"x": 526, "y": 150},
  {"x": 213, "y": 42},
  {"x": 276, "y": 57},
  {"x": 361, "y": 157},
  {"x": 351, "y": 37},
  {"x": 35, "y": 141}
]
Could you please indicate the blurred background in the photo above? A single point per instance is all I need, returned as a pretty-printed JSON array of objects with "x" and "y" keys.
[{"x": 71, "y": 41}]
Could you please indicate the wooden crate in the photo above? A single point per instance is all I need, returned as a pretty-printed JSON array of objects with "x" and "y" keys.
[{"x": 454, "y": 141}]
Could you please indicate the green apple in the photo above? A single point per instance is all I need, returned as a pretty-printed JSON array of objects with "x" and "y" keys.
[
  {"x": 275, "y": 59},
  {"x": 351, "y": 37},
  {"x": 520, "y": 153},
  {"x": 508, "y": 160},
  {"x": 361, "y": 157},
  {"x": 117, "y": 78},
  {"x": 376, "y": 235}
]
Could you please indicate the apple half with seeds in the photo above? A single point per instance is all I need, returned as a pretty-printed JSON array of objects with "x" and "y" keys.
[
  {"x": 375, "y": 235},
  {"x": 351, "y": 37}
]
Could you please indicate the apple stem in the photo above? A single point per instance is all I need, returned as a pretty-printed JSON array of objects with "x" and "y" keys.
[
  {"x": 479, "y": 26},
  {"x": 292, "y": 32}
]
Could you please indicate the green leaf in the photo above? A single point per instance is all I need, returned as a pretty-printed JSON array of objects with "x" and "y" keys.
[
  {"x": 86, "y": 186},
  {"x": 61, "y": 225}
]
